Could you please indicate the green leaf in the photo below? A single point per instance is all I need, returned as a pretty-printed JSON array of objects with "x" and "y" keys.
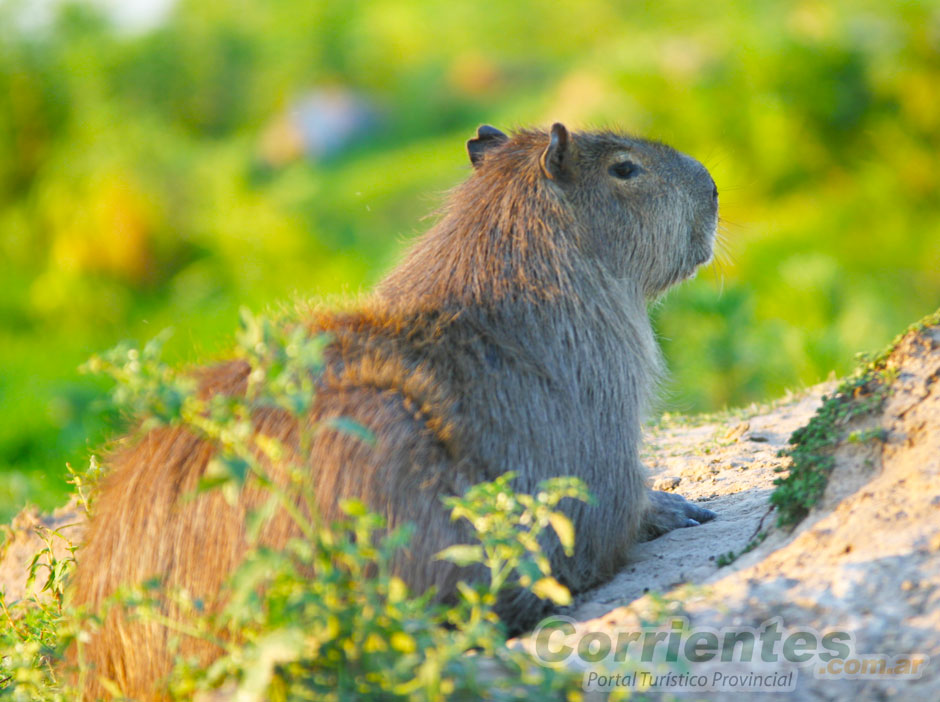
[
  {"x": 351, "y": 426},
  {"x": 527, "y": 572},
  {"x": 110, "y": 687},
  {"x": 353, "y": 507},
  {"x": 270, "y": 651},
  {"x": 461, "y": 554},
  {"x": 207, "y": 483},
  {"x": 550, "y": 589},
  {"x": 227, "y": 466},
  {"x": 259, "y": 517},
  {"x": 565, "y": 530}
]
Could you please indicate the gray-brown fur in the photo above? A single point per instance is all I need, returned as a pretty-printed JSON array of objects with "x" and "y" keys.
[{"x": 514, "y": 336}]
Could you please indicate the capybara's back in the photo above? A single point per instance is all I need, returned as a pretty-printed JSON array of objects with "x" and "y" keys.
[{"x": 513, "y": 337}]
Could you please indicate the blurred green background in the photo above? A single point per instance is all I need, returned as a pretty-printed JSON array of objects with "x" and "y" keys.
[{"x": 153, "y": 174}]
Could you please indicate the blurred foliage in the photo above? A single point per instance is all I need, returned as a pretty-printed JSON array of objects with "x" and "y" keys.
[{"x": 133, "y": 195}]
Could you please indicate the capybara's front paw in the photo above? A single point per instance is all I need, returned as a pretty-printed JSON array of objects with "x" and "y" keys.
[{"x": 668, "y": 511}]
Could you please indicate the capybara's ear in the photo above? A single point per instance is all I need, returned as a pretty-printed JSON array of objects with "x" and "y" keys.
[
  {"x": 487, "y": 137},
  {"x": 556, "y": 157}
]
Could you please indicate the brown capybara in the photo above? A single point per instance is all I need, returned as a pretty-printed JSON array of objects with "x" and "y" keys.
[{"x": 514, "y": 336}]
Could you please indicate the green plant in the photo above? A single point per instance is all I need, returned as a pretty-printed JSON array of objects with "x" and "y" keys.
[
  {"x": 35, "y": 631},
  {"x": 811, "y": 446},
  {"x": 508, "y": 526},
  {"x": 730, "y": 557},
  {"x": 354, "y": 630},
  {"x": 323, "y": 618},
  {"x": 726, "y": 559}
]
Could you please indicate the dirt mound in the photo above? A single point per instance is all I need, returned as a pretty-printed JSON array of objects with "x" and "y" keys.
[{"x": 863, "y": 566}]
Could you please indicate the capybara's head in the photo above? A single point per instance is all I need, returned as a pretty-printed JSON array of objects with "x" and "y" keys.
[{"x": 642, "y": 209}]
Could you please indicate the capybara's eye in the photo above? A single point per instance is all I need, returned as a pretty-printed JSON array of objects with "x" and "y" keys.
[{"x": 624, "y": 169}]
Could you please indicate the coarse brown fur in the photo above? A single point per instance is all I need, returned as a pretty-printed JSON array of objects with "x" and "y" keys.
[{"x": 514, "y": 336}]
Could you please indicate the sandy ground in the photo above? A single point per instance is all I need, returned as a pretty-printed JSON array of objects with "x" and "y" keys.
[
  {"x": 728, "y": 466},
  {"x": 865, "y": 562},
  {"x": 29, "y": 533}
]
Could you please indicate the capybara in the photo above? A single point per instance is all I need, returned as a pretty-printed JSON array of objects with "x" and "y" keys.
[{"x": 514, "y": 336}]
